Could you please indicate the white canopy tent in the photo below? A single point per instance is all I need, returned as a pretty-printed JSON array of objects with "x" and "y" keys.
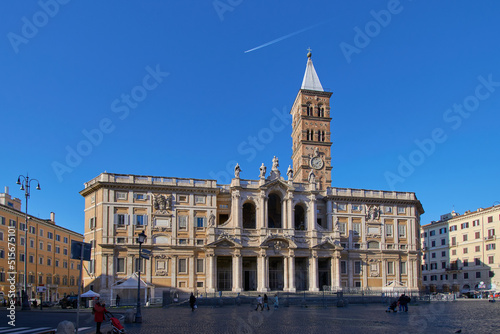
[
  {"x": 90, "y": 294},
  {"x": 127, "y": 289}
]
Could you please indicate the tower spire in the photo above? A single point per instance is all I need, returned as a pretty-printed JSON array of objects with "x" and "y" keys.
[{"x": 311, "y": 80}]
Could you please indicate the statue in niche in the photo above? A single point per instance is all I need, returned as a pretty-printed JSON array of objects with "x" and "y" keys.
[
  {"x": 211, "y": 220},
  {"x": 262, "y": 169},
  {"x": 312, "y": 177},
  {"x": 237, "y": 171},
  {"x": 289, "y": 172},
  {"x": 337, "y": 225}
]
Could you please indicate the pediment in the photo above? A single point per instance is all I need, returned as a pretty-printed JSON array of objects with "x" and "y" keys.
[
  {"x": 278, "y": 242},
  {"x": 224, "y": 243},
  {"x": 328, "y": 244}
]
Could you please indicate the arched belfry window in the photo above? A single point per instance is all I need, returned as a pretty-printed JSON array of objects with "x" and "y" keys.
[
  {"x": 300, "y": 217},
  {"x": 274, "y": 211},
  {"x": 309, "y": 110},
  {"x": 249, "y": 215}
]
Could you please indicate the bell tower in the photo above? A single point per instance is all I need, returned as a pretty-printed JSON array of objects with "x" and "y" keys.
[{"x": 311, "y": 130}]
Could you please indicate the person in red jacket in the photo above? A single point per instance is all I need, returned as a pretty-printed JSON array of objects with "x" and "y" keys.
[{"x": 99, "y": 312}]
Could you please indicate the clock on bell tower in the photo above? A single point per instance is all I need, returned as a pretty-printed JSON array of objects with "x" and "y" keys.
[{"x": 311, "y": 130}]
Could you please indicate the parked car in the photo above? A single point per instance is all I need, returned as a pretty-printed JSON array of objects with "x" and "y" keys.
[{"x": 47, "y": 303}]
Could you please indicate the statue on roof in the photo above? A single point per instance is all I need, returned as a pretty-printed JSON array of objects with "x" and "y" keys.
[
  {"x": 276, "y": 164},
  {"x": 289, "y": 172},
  {"x": 237, "y": 171},
  {"x": 262, "y": 169}
]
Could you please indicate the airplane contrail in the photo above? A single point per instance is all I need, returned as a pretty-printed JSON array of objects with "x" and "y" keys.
[{"x": 284, "y": 37}]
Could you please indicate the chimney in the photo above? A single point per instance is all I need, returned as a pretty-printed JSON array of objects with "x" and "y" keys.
[
  {"x": 6, "y": 190},
  {"x": 53, "y": 217}
]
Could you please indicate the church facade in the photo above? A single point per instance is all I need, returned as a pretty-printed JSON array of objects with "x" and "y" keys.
[{"x": 291, "y": 232}]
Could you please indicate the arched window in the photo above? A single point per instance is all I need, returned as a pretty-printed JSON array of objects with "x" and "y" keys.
[
  {"x": 274, "y": 211},
  {"x": 309, "y": 110},
  {"x": 300, "y": 217},
  {"x": 373, "y": 245},
  {"x": 249, "y": 215},
  {"x": 319, "y": 135}
]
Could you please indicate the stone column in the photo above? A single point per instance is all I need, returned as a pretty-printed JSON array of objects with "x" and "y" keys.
[
  {"x": 237, "y": 271},
  {"x": 236, "y": 210},
  {"x": 335, "y": 268},
  {"x": 329, "y": 222},
  {"x": 291, "y": 260},
  {"x": 384, "y": 272},
  {"x": 191, "y": 268},
  {"x": 284, "y": 211},
  {"x": 130, "y": 264},
  {"x": 211, "y": 273},
  {"x": 261, "y": 219},
  {"x": 261, "y": 272},
  {"x": 350, "y": 271},
  {"x": 174, "y": 272},
  {"x": 291, "y": 212},
  {"x": 311, "y": 225},
  {"x": 285, "y": 273},
  {"x": 313, "y": 272},
  {"x": 365, "y": 268},
  {"x": 148, "y": 269}
]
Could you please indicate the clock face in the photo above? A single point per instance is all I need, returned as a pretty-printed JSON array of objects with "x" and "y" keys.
[{"x": 316, "y": 163}]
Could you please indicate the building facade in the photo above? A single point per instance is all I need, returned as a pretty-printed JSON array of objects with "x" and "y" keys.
[
  {"x": 48, "y": 257},
  {"x": 290, "y": 232},
  {"x": 460, "y": 253}
]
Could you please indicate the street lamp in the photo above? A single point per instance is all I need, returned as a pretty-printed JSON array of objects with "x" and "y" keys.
[
  {"x": 138, "y": 316},
  {"x": 25, "y": 183}
]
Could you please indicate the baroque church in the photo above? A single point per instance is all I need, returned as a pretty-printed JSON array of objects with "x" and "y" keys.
[{"x": 292, "y": 232}]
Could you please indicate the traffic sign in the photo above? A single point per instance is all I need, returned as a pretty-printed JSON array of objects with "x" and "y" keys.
[
  {"x": 146, "y": 251},
  {"x": 144, "y": 256}
]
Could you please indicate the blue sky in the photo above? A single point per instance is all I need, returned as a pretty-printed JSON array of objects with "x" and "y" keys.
[{"x": 416, "y": 94}]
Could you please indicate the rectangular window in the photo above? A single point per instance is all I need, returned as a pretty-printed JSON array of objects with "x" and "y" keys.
[
  {"x": 490, "y": 247},
  {"x": 390, "y": 268},
  {"x": 443, "y": 253},
  {"x": 455, "y": 276},
  {"x": 57, "y": 264},
  {"x": 199, "y": 284},
  {"x": 425, "y": 278},
  {"x": 121, "y": 195},
  {"x": 389, "y": 230},
  {"x": 49, "y": 247},
  {"x": 477, "y": 235},
  {"x": 41, "y": 232},
  {"x": 65, "y": 240},
  {"x": 200, "y": 265},
  {"x": 58, "y": 250},
  {"x": 40, "y": 260},
  {"x": 2, "y": 220},
  {"x": 453, "y": 241},
  {"x": 182, "y": 266},
  {"x": 465, "y": 262},
  {"x": 465, "y": 250},
  {"x": 200, "y": 242},
  {"x": 183, "y": 221},
  {"x": 442, "y": 230},
  {"x": 464, "y": 225},
  {"x": 200, "y": 222},
  {"x": 49, "y": 261},
  {"x": 491, "y": 259},
  {"x": 58, "y": 237},
  {"x": 342, "y": 228},
  {"x": 491, "y": 233},
  {"x": 443, "y": 265},
  {"x": 120, "y": 265},
  {"x": 357, "y": 267},
  {"x": 443, "y": 242},
  {"x": 356, "y": 207},
  {"x": 402, "y": 231},
  {"x": 32, "y": 229},
  {"x": 477, "y": 262},
  {"x": 475, "y": 222},
  {"x": 92, "y": 223},
  {"x": 477, "y": 249},
  {"x": 121, "y": 219},
  {"x": 50, "y": 235},
  {"x": 401, "y": 210},
  {"x": 183, "y": 198},
  {"x": 12, "y": 223},
  {"x": 41, "y": 245},
  {"x": 140, "y": 196},
  {"x": 137, "y": 263},
  {"x": 343, "y": 267},
  {"x": 141, "y": 220},
  {"x": 478, "y": 274},
  {"x": 22, "y": 226},
  {"x": 432, "y": 233},
  {"x": 464, "y": 237},
  {"x": 403, "y": 268},
  {"x": 356, "y": 228},
  {"x": 433, "y": 255},
  {"x": 453, "y": 228},
  {"x": 433, "y": 243},
  {"x": 490, "y": 219},
  {"x": 453, "y": 252},
  {"x": 65, "y": 251},
  {"x": 466, "y": 275},
  {"x": 199, "y": 199},
  {"x": 120, "y": 240},
  {"x": 388, "y": 209},
  {"x": 182, "y": 241},
  {"x": 341, "y": 207}
]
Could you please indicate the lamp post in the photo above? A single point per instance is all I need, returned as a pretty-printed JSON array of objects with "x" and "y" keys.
[
  {"x": 25, "y": 183},
  {"x": 138, "y": 316}
]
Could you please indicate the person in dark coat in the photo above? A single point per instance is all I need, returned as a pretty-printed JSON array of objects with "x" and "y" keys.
[
  {"x": 393, "y": 306},
  {"x": 192, "y": 301},
  {"x": 117, "y": 300},
  {"x": 266, "y": 302},
  {"x": 403, "y": 301},
  {"x": 99, "y": 312}
]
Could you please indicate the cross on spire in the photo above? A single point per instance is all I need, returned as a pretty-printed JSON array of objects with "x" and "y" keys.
[{"x": 309, "y": 53}]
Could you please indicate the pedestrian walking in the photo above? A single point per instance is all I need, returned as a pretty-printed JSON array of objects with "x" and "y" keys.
[
  {"x": 192, "y": 302},
  {"x": 276, "y": 302},
  {"x": 259, "y": 304},
  {"x": 266, "y": 302},
  {"x": 117, "y": 300},
  {"x": 99, "y": 311}
]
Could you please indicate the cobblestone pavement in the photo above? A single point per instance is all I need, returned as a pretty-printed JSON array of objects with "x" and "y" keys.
[{"x": 437, "y": 317}]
